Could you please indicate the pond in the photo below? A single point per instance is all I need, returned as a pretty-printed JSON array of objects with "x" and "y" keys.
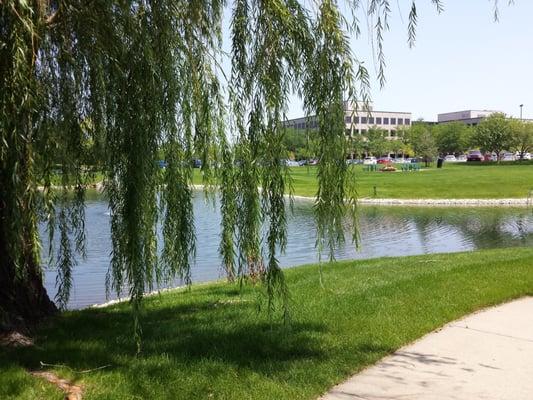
[{"x": 385, "y": 231}]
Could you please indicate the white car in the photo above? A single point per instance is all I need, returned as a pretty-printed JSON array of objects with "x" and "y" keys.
[
  {"x": 450, "y": 158},
  {"x": 370, "y": 160},
  {"x": 508, "y": 157},
  {"x": 291, "y": 163},
  {"x": 461, "y": 158},
  {"x": 525, "y": 156}
]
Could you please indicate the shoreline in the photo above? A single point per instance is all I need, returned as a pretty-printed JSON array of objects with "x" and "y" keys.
[
  {"x": 497, "y": 202},
  {"x": 518, "y": 202}
]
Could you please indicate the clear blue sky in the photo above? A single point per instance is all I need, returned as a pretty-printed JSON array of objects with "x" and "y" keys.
[{"x": 462, "y": 60}]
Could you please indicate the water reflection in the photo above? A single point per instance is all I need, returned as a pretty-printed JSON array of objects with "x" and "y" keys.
[{"x": 385, "y": 231}]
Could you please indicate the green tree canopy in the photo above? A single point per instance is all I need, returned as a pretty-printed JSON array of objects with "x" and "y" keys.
[
  {"x": 522, "y": 137},
  {"x": 146, "y": 75},
  {"x": 421, "y": 139},
  {"x": 453, "y": 137},
  {"x": 494, "y": 134},
  {"x": 376, "y": 142}
]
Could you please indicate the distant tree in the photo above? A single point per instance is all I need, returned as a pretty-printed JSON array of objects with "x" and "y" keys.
[
  {"x": 356, "y": 145},
  {"x": 452, "y": 138},
  {"x": 300, "y": 143},
  {"x": 421, "y": 139},
  {"x": 493, "y": 134},
  {"x": 522, "y": 133},
  {"x": 376, "y": 142}
]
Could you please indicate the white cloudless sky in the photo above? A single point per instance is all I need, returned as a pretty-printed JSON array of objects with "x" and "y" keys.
[{"x": 462, "y": 59}]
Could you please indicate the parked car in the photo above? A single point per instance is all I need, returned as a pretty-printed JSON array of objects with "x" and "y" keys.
[
  {"x": 312, "y": 162},
  {"x": 399, "y": 160},
  {"x": 461, "y": 158},
  {"x": 197, "y": 163},
  {"x": 370, "y": 160},
  {"x": 384, "y": 160},
  {"x": 450, "y": 158},
  {"x": 291, "y": 163},
  {"x": 525, "y": 156},
  {"x": 474, "y": 156},
  {"x": 508, "y": 157}
]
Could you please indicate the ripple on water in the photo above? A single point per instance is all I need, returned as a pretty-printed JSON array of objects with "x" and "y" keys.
[{"x": 384, "y": 231}]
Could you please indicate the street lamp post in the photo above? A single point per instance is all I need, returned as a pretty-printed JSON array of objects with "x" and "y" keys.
[{"x": 521, "y": 106}]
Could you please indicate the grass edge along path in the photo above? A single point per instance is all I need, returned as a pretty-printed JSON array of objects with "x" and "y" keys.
[{"x": 211, "y": 342}]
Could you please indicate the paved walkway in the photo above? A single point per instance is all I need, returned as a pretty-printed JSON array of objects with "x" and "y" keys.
[{"x": 485, "y": 356}]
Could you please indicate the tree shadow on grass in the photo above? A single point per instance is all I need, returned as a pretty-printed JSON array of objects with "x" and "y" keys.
[{"x": 232, "y": 333}]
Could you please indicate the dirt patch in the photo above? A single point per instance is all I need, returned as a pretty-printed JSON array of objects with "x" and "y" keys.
[
  {"x": 15, "y": 339},
  {"x": 72, "y": 392}
]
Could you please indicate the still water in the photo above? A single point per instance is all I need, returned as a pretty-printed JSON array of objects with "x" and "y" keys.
[{"x": 385, "y": 231}]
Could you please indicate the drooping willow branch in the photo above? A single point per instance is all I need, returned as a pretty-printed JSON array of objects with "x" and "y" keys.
[{"x": 113, "y": 86}]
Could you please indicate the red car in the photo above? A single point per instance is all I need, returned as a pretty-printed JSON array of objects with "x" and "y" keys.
[
  {"x": 384, "y": 160},
  {"x": 474, "y": 155}
]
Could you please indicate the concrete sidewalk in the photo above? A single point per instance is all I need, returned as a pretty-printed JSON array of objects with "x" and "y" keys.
[{"x": 487, "y": 355}]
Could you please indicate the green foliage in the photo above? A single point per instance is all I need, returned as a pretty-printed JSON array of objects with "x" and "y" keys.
[
  {"x": 493, "y": 134},
  {"x": 453, "y": 137},
  {"x": 376, "y": 142},
  {"x": 522, "y": 136},
  {"x": 114, "y": 84},
  {"x": 421, "y": 139},
  {"x": 301, "y": 144}
]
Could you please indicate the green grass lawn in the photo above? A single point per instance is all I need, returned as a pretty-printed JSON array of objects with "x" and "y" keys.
[
  {"x": 212, "y": 343},
  {"x": 454, "y": 181}
]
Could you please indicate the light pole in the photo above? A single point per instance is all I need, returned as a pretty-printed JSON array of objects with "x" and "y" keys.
[{"x": 521, "y": 106}]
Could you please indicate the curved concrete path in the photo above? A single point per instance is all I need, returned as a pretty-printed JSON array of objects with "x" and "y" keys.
[{"x": 485, "y": 356}]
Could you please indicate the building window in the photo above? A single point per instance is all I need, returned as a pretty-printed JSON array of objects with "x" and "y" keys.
[
  {"x": 371, "y": 120},
  {"x": 385, "y": 121},
  {"x": 407, "y": 121},
  {"x": 393, "y": 121},
  {"x": 363, "y": 120},
  {"x": 378, "y": 120},
  {"x": 348, "y": 120},
  {"x": 356, "y": 120},
  {"x": 392, "y": 133},
  {"x": 400, "y": 121}
]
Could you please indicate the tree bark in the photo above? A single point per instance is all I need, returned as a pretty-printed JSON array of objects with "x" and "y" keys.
[{"x": 23, "y": 298}]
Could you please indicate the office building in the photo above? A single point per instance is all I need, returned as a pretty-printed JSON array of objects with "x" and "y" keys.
[{"x": 360, "y": 119}]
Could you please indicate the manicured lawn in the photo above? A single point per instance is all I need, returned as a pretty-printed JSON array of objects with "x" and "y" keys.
[
  {"x": 212, "y": 343},
  {"x": 454, "y": 181}
]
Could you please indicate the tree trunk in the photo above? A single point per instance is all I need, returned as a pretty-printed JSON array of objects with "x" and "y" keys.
[{"x": 23, "y": 298}]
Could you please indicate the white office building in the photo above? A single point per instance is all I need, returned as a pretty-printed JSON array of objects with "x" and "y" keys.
[
  {"x": 360, "y": 119},
  {"x": 468, "y": 117}
]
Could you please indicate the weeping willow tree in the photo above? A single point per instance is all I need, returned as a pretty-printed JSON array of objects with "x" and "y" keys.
[{"x": 133, "y": 77}]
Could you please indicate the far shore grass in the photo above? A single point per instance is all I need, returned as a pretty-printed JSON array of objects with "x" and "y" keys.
[
  {"x": 212, "y": 342},
  {"x": 454, "y": 181}
]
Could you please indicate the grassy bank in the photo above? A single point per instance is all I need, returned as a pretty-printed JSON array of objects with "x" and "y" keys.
[
  {"x": 454, "y": 181},
  {"x": 212, "y": 343}
]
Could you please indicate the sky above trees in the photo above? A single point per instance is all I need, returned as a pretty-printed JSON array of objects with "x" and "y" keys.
[{"x": 462, "y": 59}]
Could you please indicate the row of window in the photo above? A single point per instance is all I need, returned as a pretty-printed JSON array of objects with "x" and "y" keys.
[
  {"x": 391, "y": 133},
  {"x": 377, "y": 120},
  {"x": 305, "y": 125}
]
